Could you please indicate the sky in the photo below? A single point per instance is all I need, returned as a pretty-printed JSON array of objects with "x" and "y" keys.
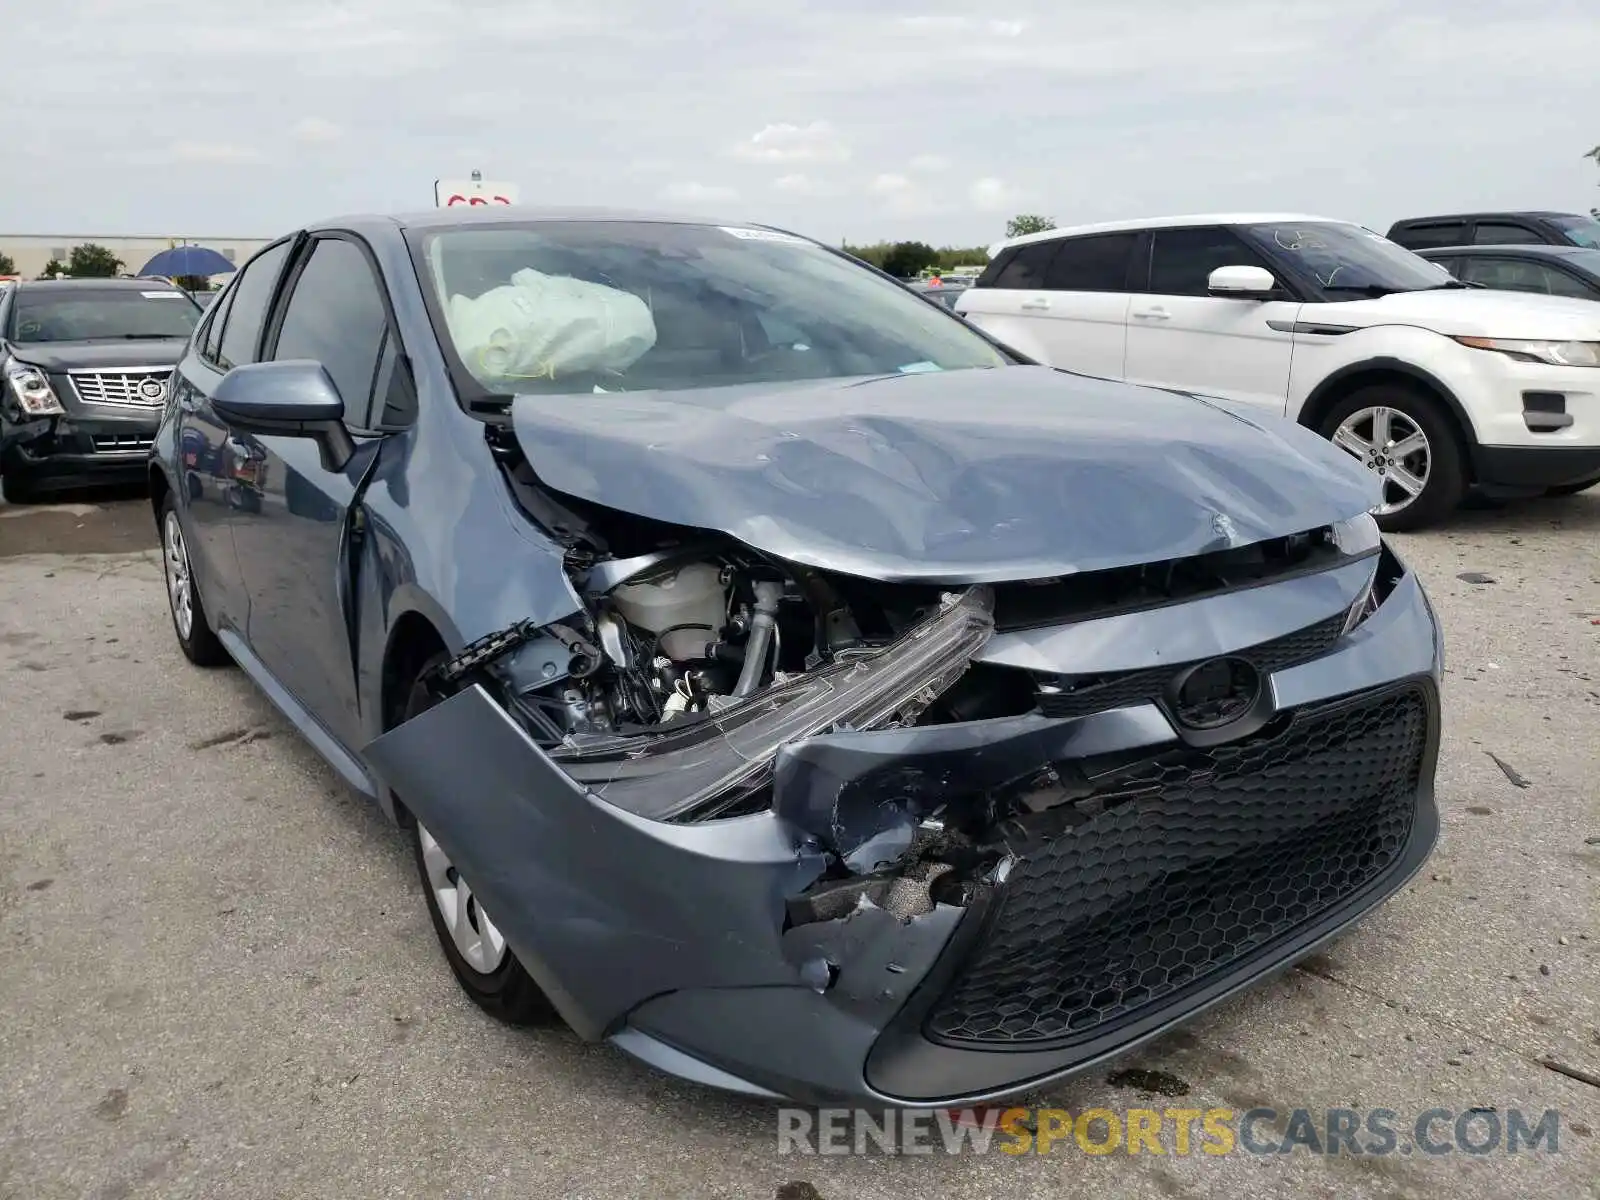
[{"x": 835, "y": 118}]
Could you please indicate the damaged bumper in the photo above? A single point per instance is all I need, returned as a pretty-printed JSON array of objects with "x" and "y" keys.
[{"x": 803, "y": 952}]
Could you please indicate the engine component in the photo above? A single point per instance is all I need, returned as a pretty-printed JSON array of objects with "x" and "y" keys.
[
  {"x": 683, "y": 607},
  {"x": 762, "y": 627}
]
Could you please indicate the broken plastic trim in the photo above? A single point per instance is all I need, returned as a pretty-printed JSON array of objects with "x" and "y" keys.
[{"x": 681, "y": 771}]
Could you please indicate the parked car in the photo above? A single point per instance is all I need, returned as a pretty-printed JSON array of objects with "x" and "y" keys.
[
  {"x": 1433, "y": 384},
  {"x": 1543, "y": 270},
  {"x": 779, "y": 678},
  {"x": 945, "y": 292},
  {"x": 85, "y": 365},
  {"x": 1497, "y": 229}
]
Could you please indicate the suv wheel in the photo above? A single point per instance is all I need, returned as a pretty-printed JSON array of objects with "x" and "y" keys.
[
  {"x": 195, "y": 635},
  {"x": 1408, "y": 440}
]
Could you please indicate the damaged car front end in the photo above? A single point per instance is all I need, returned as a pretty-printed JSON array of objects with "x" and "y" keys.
[{"x": 790, "y": 809}]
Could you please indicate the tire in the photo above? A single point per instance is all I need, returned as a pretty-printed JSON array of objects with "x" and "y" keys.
[
  {"x": 18, "y": 489},
  {"x": 1572, "y": 489},
  {"x": 190, "y": 624},
  {"x": 493, "y": 979},
  {"x": 1437, "y": 464}
]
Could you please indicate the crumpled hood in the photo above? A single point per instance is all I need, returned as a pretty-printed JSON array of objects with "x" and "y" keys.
[
  {"x": 958, "y": 477},
  {"x": 55, "y": 357},
  {"x": 1471, "y": 312}
]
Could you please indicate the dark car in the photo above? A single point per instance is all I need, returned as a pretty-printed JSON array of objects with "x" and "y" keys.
[
  {"x": 778, "y": 678},
  {"x": 1542, "y": 270},
  {"x": 85, "y": 364},
  {"x": 1497, "y": 229}
]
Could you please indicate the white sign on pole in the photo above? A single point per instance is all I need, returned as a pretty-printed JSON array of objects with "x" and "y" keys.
[{"x": 450, "y": 192}]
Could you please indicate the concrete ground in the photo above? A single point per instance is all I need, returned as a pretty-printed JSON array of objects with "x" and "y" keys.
[{"x": 218, "y": 979}]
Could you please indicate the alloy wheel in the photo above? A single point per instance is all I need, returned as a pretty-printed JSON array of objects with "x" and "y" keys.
[
  {"x": 476, "y": 938},
  {"x": 1394, "y": 447},
  {"x": 180, "y": 582}
]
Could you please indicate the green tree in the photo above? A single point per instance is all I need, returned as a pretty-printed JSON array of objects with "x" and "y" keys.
[
  {"x": 906, "y": 259},
  {"x": 53, "y": 268},
  {"x": 1594, "y": 154},
  {"x": 192, "y": 283},
  {"x": 90, "y": 261},
  {"x": 1026, "y": 223},
  {"x": 7, "y": 265}
]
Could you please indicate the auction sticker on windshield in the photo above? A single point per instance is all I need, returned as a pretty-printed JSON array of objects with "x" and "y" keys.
[
  {"x": 763, "y": 235},
  {"x": 162, "y": 295}
]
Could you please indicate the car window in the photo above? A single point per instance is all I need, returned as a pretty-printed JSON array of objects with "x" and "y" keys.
[
  {"x": 590, "y": 307},
  {"x": 85, "y": 313},
  {"x": 394, "y": 396},
  {"x": 1345, "y": 260},
  {"x": 336, "y": 316},
  {"x": 1092, "y": 264},
  {"x": 1026, "y": 266},
  {"x": 1514, "y": 275},
  {"x": 1580, "y": 231},
  {"x": 210, "y": 344},
  {"x": 250, "y": 295},
  {"x": 1499, "y": 233},
  {"x": 1181, "y": 260},
  {"x": 1439, "y": 233}
]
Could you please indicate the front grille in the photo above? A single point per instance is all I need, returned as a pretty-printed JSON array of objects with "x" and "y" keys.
[
  {"x": 123, "y": 387},
  {"x": 1197, "y": 860},
  {"x": 1099, "y": 693},
  {"x": 122, "y": 443}
]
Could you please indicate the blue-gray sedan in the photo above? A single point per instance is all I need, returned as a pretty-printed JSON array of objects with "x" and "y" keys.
[{"x": 778, "y": 678}]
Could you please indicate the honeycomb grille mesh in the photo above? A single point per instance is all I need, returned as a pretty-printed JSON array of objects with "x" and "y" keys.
[
  {"x": 1198, "y": 860},
  {"x": 1142, "y": 686}
]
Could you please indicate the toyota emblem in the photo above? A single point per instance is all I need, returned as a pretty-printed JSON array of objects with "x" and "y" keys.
[
  {"x": 153, "y": 391},
  {"x": 1215, "y": 693}
]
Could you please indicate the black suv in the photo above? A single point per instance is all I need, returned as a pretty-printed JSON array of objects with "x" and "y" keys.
[
  {"x": 1497, "y": 229},
  {"x": 84, "y": 365}
]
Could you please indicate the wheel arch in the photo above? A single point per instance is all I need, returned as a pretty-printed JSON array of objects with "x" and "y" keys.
[
  {"x": 159, "y": 487},
  {"x": 413, "y": 639},
  {"x": 1394, "y": 372}
]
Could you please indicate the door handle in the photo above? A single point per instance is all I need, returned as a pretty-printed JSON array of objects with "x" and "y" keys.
[
  {"x": 1037, "y": 304},
  {"x": 1153, "y": 314}
]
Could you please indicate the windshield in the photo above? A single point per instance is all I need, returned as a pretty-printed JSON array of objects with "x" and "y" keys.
[
  {"x": 1346, "y": 259},
  {"x": 83, "y": 314},
  {"x": 564, "y": 307},
  {"x": 1580, "y": 231}
]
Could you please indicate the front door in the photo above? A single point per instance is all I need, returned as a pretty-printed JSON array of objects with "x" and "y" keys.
[
  {"x": 1179, "y": 336},
  {"x": 298, "y": 533}
]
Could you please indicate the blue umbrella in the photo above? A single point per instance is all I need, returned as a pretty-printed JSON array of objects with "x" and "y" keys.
[{"x": 187, "y": 260}]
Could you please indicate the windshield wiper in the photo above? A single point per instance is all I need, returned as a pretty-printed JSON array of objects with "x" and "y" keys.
[
  {"x": 147, "y": 337},
  {"x": 1381, "y": 289}
]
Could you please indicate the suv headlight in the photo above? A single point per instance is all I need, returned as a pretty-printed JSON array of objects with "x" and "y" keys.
[
  {"x": 1557, "y": 354},
  {"x": 32, "y": 390}
]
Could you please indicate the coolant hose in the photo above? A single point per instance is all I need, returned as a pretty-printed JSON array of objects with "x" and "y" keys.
[{"x": 762, "y": 626}]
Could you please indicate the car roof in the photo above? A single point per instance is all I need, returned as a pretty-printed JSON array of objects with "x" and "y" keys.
[
  {"x": 67, "y": 285},
  {"x": 513, "y": 214},
  {"x": 1178, "y": 222},
  {"x": 1531, "y": 249},
  {"x": 1478, "y": 216}
]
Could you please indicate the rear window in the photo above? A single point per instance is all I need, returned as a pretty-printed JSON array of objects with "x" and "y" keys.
[
  {"x": 87, "y": 314},
  {"x": 1436, "y": 233}
]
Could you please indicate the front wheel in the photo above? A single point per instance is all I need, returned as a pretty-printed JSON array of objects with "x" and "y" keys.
[
  {"x": 196, "y": 638},
  {"x": 1408, "y": 440},
  {"x": 483, "y": 964}
]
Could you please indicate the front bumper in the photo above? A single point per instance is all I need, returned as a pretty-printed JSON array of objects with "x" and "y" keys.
[
  {"x": 101, "y": 445},
  {"x": 671, "y": 939}
]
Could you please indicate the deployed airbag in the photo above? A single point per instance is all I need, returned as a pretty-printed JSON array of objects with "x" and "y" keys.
[{"x": 547, "y": 326}]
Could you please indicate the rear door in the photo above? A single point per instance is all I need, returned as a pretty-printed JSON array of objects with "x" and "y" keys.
[
  {"x": 298, "y": 540},
  {"x": 207, "y": 453},
  {"x": 1180, "y": 336},
  {"x": 1063, "y": 301},
  {"x": 1508, "y": 231}
]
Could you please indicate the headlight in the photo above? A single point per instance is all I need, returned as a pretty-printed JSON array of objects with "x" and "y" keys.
[
  {"x": 32, "y": 390},
  {"x": 1557, "y": 354},
  {"x": 1357, "y": 536}
]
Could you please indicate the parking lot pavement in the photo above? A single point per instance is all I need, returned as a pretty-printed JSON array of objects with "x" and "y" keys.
[{"x": 219, "y": 981}]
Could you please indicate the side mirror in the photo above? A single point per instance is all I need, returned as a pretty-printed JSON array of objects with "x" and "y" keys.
[
  {"x": 1242, "y": 283},
  {"x": 286, "y": 399}
]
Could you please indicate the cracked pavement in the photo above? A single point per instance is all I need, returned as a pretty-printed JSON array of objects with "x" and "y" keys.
[{"x": 219, "y": 979}]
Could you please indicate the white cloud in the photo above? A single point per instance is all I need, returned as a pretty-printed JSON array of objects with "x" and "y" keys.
[
  {"x": 931, "y": 163},
  {"x": 994, "y": 195},
  {"x": 952, "y": 24},
  {"x": 213, "y": 152},
  {"x": 900, "y": 196},
  {"x": 316, "y": 129},
  {"x": 785, "y": 143},
  {"x": 799, "y": 184},
  {"x": 698, "y": 193}
]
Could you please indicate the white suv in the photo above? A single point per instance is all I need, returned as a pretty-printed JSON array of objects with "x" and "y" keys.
[{"x": 1434, "y": 384}]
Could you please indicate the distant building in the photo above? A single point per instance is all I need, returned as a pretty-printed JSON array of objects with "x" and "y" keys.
[{"x": 32, "y": 251}]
